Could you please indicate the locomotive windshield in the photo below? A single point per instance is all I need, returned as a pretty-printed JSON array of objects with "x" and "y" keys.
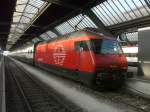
[{"x": 105, "y": 46}]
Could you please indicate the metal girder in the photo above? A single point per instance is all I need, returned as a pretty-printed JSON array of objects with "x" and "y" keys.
[
  {"x": 24, "y": 12},
  {"x": 78, "y": 9},
  {"x": 100, "y": 25},
  {"x": 71, "y": 14},
  {"x": 130, "y": 25},
  {"x": 63, "y": 4},
  {"x": 56, "y": 32},
  {"x": 147, "y": 2},
  {"x": 40, "y": 38},
  {"x": 6, "y": 24},
  {"x": 6, "y": 33}
]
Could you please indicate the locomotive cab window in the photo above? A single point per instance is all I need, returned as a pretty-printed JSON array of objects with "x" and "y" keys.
[
  {"x": 105, "y": 46},
  {"x": 81, "y": 46}
]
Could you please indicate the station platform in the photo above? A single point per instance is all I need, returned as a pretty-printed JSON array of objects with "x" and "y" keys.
[
  {"x": 139, "y": 86},
  {"x": 2, "y": 86},
  {"x": 145, "y": 67},
  {"x": 140, "y": 83},
  {"x": 141, "y": 72}
]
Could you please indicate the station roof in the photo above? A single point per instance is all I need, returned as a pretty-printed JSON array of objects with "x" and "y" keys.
[
  {"x": 6, "y": 13},
  {"x": 35, "y": 20}
]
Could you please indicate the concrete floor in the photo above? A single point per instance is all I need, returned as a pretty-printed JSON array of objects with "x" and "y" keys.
[
  {"x": 141, "y": 84},
  {"x": 2, "y": 86},
  {"x": 146, "y": 71}
]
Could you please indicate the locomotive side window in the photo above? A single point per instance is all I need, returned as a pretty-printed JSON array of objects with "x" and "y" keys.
[
  {"x": 81, "y": 46},
  {"x": 96, "y": 45},
  {"x": 77, "y": 46}
]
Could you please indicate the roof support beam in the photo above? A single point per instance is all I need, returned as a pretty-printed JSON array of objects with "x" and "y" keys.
[
  {"x": 14, "y": 23},
  {"x": 63, "y": 4},
  {"x": 147, "y": 2},
  {"x": 24, "y": 12},
  {"x": 130, "y": 25},
  {"x": 40, "y": 38},
  {"x": 95, "y": 19},
  {"x": 24, "y": 34},
  {"x": 56, "y": 32}
]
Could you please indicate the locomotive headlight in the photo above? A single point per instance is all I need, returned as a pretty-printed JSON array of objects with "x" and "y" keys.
[{"x": 124, "y": 68}]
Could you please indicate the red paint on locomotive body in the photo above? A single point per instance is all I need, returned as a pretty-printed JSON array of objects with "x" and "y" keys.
[
  {"x": 84, "y": 52},
  {"x": 63, "y": 54},
  {"x": 111, "y": 62}
]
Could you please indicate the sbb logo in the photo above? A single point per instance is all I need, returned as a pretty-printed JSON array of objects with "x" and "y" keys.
[{"x": 59, "y": 54}]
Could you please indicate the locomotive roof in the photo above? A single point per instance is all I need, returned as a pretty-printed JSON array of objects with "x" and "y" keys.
[{"x": 83, "y": 32}]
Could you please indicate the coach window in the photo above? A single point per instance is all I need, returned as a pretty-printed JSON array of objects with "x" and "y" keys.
[{"x": 81, "y": 46}]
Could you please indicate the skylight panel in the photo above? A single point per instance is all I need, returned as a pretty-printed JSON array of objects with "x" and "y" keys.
[
  {"x": 113, "y": 12},
  {"x": 26, "y": 11},
  {"x": 78, "y": 22},
  {"x": 51, "y": 34}
]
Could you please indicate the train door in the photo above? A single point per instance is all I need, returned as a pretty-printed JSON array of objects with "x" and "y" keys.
[
  {"x": 81, "y": 48},
  {"x": 77, "y": 58}
]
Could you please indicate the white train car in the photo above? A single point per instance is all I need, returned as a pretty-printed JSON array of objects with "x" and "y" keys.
[
  {"x": 24, "y": 54},
  {"x": 131, "y": 55}
]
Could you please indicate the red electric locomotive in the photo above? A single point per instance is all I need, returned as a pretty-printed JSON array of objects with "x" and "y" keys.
[{"x": 84, "y": 56}]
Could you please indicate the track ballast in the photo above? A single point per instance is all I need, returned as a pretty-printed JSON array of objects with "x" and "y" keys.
[{"x": 23, "y": 94}]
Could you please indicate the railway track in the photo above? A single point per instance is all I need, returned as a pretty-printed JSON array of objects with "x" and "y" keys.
[
  {"x": 24, "y": 95},
  {"x": 139, "y": 87},
  {"x": 127, "y": 98},
  {"x": 14, "y": 99},
  {"x": 121, "y": 96}
]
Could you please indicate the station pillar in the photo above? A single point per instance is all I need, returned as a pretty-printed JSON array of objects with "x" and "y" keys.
[{"x": 144, "y": 52}]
